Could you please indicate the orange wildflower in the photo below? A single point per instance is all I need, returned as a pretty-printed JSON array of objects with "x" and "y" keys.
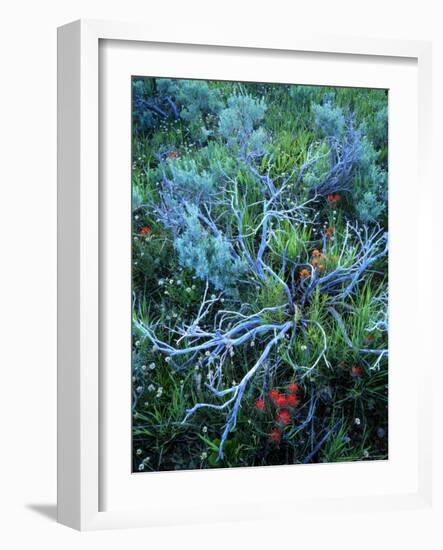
[
  {"x": 145, "y": 231},
  {"x": 304, "y": 273},
  {"x": 333, "y": 198},
  {"x": 356, "y": 371},
  {"x": 329, "y": 232}
]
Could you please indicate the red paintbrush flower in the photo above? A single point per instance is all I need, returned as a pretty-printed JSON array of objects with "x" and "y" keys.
[
  {"x": 333, "y": 198},
  {"x": 356, "y": 371},
  {"x": 145, "y": 231},
  {"x": 260, "y": 404},
  {"x": 329, "y": 233},
  {"x": 275, "y": 435},
  {"x": 293, "y": 388},
  {"x": 274, "y": 395},
  {"x": 281, "y": 401},
  {"x": 283, "y": 417},
  {"x": 292, "y": 400}
]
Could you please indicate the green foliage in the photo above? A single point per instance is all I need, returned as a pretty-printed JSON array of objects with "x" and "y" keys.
[
  {"x": 238, "y": 122},
  {"x": 189, "y": 183},
  {"x": 209, "y": 256},
  {"x": 370, "y": 185},
  {"x": 329, "y": 121}
]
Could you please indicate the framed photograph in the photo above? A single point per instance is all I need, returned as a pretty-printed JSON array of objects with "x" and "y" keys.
[{"x": 239, "y": 308}]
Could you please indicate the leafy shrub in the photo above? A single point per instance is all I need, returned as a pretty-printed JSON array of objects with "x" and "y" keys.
[
  {"x": 190, "y": 100},
  {"x": 329, "y": 121},
  {"x": 348, "y": 161},
  {"x": 302, "y": 95},
  {"x": 370, "y": 190},
  {"x": 239, "y": 120},
  {"x": 209, "y": 256},
  {"x": 143, "y": 118},
  {"x": 189, "y": 183},
  {"x": 194, "y": 97}
]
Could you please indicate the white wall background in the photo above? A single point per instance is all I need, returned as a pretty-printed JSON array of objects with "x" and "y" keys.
[{"x": 28, "y": 263}]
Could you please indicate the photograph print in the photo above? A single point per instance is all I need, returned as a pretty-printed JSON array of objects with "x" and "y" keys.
[{"x": 259, "y": 274}]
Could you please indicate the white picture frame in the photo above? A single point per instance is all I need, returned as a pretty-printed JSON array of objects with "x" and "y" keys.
[{"x": 81, "y": 414}]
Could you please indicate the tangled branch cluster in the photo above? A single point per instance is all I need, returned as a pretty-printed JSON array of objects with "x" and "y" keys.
[{"x": 199, "y": 213}]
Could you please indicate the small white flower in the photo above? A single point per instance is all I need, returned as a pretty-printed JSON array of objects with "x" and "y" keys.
[
  {"x": 171, "y": 281},
  {"x": 205, "y": 429},
  {"x": 143, "y": 367},
  {"x": 167, "y": 359},
  {"x": 139, "y": 389},
  {"x": 303, "y": 348},
  {"x": 146, "y": 404},
  {"x": 179, "y": 282},
  {"x": 188, "y": 290},
  {"x": 139, "y": 451},
  {"x": 141, "y": 467},
  {"x": 151, "y": 387},
  {"x": 147, "y": 459},
  {"x": 203, "y": 456},
  {"x": 193, "y": 287},
  {"x": 357, "y": 421},
  {"x": 365, "y": 453},
  {"x": 152, "y": 366},
  {"x": 161, "y": 282},
  {"x": 207, "y": 353},
  {"x": 159, "y": 391},
  {"x": 213, "y": 296},
  {"x": 136, "y": 217},
  {"x": 252, "y": 344},
  {"x": 137, "y": 343}
]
